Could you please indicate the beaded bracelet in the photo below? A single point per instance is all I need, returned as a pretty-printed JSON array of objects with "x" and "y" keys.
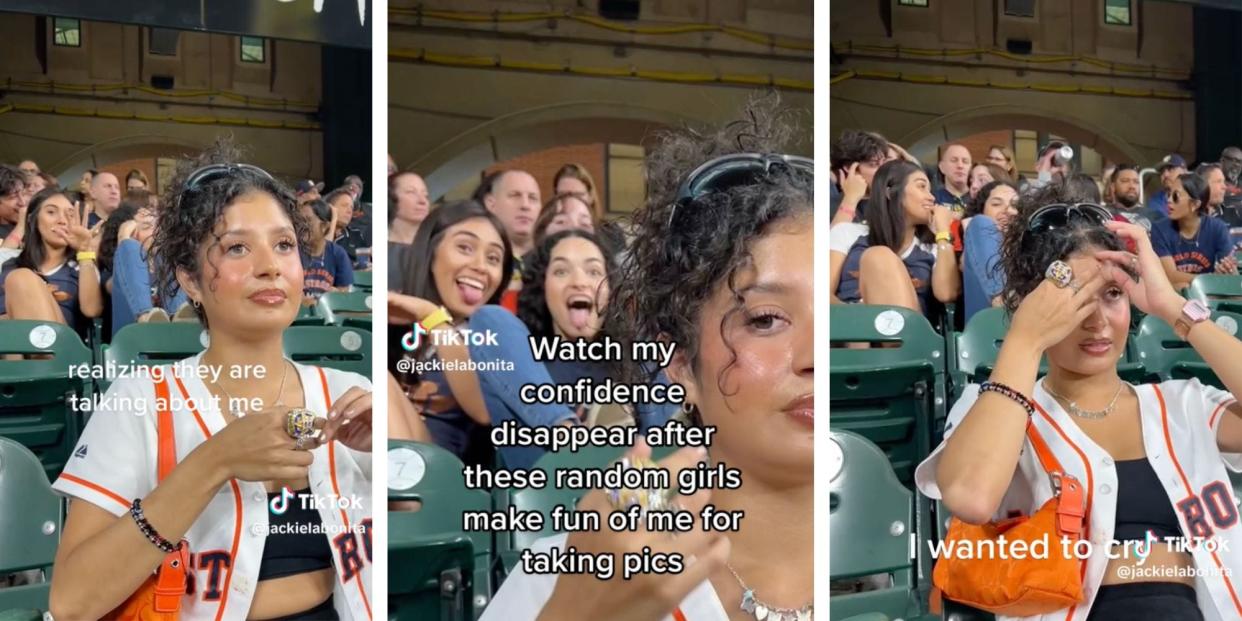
[
  {"x": 135, "y": 511},
  {"x": 1019, "y": 398}
]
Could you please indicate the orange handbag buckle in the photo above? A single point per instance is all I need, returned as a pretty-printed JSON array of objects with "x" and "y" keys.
[
  {"x": 1071, "y": 509},
  {"x": 170, "y": 580}
]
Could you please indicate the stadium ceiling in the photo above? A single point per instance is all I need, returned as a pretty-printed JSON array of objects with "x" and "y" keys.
[{"x": 344, "y": 23}]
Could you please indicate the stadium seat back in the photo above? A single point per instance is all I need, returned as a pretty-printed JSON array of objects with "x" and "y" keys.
[
  {"x": 362, "y": 280},
  {"x": 1168, "y": 357},
  {"x": 37, "y": 392},
  {"x": 352, "y": 308},
  {"x": 871, "y": 516},
  {"x": 891, "y": 393},
  {"x": 152, "y": 344},
  {"x": 308, "y": 316},
  {"x": 1218, "y": 291},
  {"x": 30, "y": 524},
  {"x": 433, "y": 534},
  {"x": 337, "y": 347}
]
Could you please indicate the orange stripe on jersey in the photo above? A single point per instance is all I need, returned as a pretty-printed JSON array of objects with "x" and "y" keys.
[
  {"x": 678, "y": 615},
  {"x": 336, "y": 488},
  {"x": 1190, "y": 491},
  {"x": 1082, "y": 569},
  {"x": 237, "y": 524},
  {"x": 99, "y": 488},
  {"x": 197, "y": 417},
  {"x": 1220, "y": 408}
]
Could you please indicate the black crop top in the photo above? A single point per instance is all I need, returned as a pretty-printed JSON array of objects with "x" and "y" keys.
[
  {"x": 1142, "y": 504},
  {"x": 299, "y": 545}
]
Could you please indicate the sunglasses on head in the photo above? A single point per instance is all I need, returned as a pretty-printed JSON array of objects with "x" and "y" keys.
[
  {"x": 736, "y": 170},
  {"x": 212, "y": 172},
  {"x": 1060, "y": 215}
]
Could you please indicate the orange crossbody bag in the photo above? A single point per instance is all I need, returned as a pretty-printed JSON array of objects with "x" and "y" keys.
[
  {"x": 1036, "y": 583},
  {"x": 159, "y": 598}
]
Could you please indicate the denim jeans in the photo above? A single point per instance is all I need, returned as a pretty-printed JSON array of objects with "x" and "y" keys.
[
  {"x": 131, "y": 286},
  {"x": 500, "y": 387}
]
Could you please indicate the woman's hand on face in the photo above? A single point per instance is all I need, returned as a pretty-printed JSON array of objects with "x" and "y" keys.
[
  {"x": 1050, "y": 313},
  {"x": 256, "y": 447},
  {"x": 407, "y": 309},
  {"x": 1152, "y": 293},
  {"x": 644, "y": 597},
  {"x": 349, "y": 420},
  {"x": 853, "y": 186}
]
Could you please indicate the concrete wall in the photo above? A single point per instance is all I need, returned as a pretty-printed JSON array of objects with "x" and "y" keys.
[
  {"x": 450, "y": 122},
  {"x": 83, "y": 129},
  {"x": 924, "y": 115}
]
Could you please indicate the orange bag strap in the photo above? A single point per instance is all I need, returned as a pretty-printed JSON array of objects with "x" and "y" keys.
[
  {"x": 166, "y": 458},
  {"x": 1071, "y": 504}
]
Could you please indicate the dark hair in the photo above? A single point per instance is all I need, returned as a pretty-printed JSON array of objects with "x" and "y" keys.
[
  {"x": 1196, "y": 188},
  {"x": 392, "y": 189},
  {"x": 1120, "y": 168},
  {"x": 532, "y": 302},
  {"x": 134, "y": 173},
  {"x": 1203, "y": 169},
  {"x": 1082, "y": 184},
  {"x": 886, "y": 216},
  {"x": 418, "y": 280},
  {"x": 335, "y": 194},
  {"x": 854, "y": 146},
  {"x": 321, "y": 209},
  {"x": 682, "y": 252},
  {"x": 32, "y": 254},
  {"x": 189, "y": 216},
  {"x": 1025, "y": 261},
  {"x": 550, "y": 211},
  {"x": 486, "y": 185},
  {"x": 975, "y": 207},
  {"x": 12, "y": 180},
  {"x": 108, "y": 240}
]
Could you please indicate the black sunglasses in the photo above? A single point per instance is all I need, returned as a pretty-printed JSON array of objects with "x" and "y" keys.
[
  {"x": 1059, "y": 215},
  {"x": 735, "y": 170},
  {"x": 211, "y": 172}
]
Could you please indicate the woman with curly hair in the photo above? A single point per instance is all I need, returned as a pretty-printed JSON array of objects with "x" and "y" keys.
[
  {"x": 177, "y": 458},
  {"x": 720, "y": 266},
  {"x": 1146, "y": 461}
]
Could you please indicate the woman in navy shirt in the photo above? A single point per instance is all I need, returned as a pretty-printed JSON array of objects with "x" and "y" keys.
[
  {"x": 1190, "y": 242},
  {"x": 55, "y": 277}
]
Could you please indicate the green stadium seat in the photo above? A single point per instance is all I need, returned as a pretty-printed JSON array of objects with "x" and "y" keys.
[
  {"x": 30, "y": 524},
  {"x": 337, "y": 347},
  {"x": 153, "y": 344},
  {"x": 37, "y": 395},
  {"x": 1218, "y": 291},
  {"x": 871, "y": 517},
  {"x": 975, "y": 351},
  {"x": 436, "y": 569},
  {"x": 362, "y": 280},
  {"x": 1168, "y": 357},
  {"x": 893, "y": 396},
  {"x": 308, "y": 316},
  {"x": 352, "y": 309}
]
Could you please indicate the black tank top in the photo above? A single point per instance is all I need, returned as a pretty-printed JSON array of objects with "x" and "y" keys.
[
  {"x": 1142, "y": 504},
  {"x": 299, "y": 546}
]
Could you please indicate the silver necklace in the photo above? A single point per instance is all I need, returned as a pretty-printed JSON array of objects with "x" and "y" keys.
[
  {"x": 765, "y": 612},
  {"x": 1072, "y": 406},
  {"x": 280, "y": 392}
]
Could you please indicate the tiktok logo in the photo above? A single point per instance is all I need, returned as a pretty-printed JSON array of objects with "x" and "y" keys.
[
  {"x": 412, "y": 338},
  {"x": 1141, "y": 550},
  {"x": 280, "y": 504}
]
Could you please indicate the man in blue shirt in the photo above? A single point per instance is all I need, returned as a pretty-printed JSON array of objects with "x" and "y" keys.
[{"x": 1171, "y": 167}]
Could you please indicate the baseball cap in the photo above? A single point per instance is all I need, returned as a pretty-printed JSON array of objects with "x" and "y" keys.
[
  {"x": 1172, "y": 160},
  {"x": 306, "y": 185}
]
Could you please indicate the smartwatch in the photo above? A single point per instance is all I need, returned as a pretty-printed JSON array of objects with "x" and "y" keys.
[{"x": 1193, "y": 312}]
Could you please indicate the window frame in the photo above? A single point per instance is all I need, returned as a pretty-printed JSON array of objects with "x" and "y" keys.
[
  {"x": 78, "y": 28},
  {"x": 241, "y": 50},
  {"x": 1007, "y": 13},
  {"x": 1129, "y": 14}
]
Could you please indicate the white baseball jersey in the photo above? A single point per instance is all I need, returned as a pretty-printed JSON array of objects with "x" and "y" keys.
[
  {"x": 523, "y": 595},
  {"x": 1180, "y": 419},
  {"x": 115, "y": 462}
]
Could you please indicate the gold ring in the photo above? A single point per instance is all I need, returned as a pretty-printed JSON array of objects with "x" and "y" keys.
[
  {"x": 300, "y": 423},
  {"x": 1060, "y": 274},
  {"x": 650, "y": 499}
]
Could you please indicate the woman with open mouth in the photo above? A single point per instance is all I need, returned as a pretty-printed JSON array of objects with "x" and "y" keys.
[
  {"x": 721, "y": 265},
  {"x": 224, "y": 438},
  {"x": 452, "y": 290}
]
